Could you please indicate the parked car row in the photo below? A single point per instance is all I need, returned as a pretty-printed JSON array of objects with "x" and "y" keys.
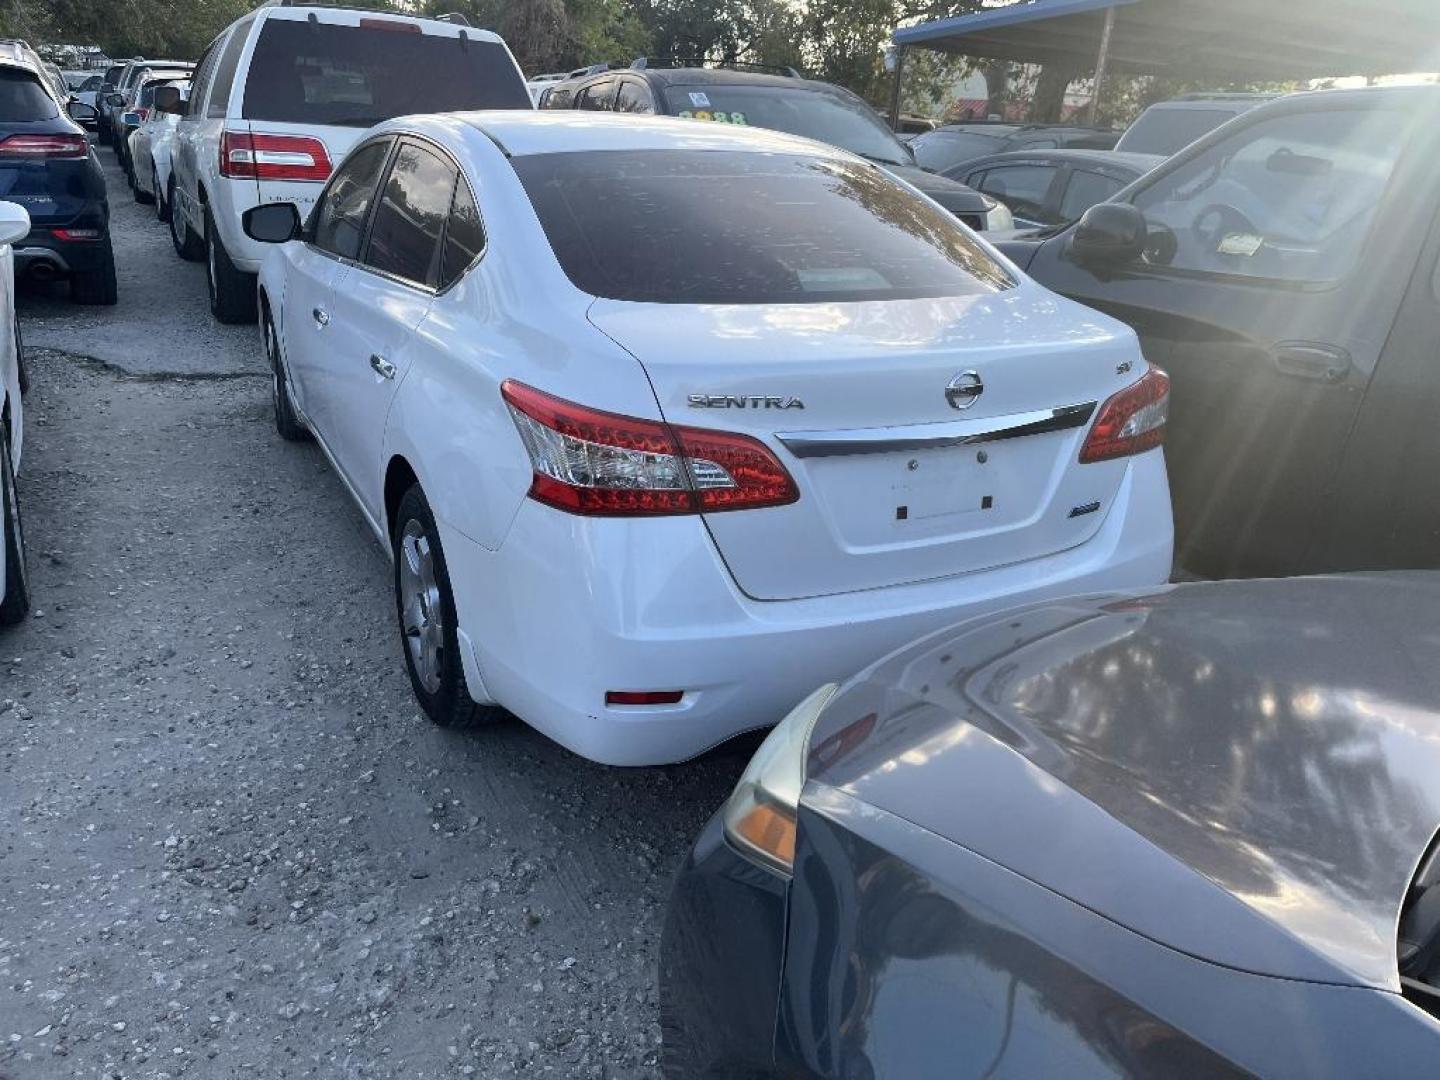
[{"x": 680, "y": 413}]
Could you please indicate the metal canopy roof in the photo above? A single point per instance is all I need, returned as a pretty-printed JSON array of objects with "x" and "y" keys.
[{"x": 1212, "y": 39}]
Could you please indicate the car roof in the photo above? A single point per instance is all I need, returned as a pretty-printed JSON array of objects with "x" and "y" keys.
[
  {"x": 1141, "y": 163},
  {"x": 697, "y": 76},
  {"x": 344, "y": 16},
  {"x": 519, "y": 132}
]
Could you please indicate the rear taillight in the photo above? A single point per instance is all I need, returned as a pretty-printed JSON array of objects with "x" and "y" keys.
[
  {"x": 1131, "y": 421},
  {"x": 143, "y": 113},
  {"x": 44, "y": 146},
  {"x": 273, "y": 157},
  {"x": 71, "y": 236},
  {"x": 591, "y": 462}
]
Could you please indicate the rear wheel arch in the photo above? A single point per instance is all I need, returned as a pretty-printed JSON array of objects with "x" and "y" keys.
[{"x": 400, "y": 477}]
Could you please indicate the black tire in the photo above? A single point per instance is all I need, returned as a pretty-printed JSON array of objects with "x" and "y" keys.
[
  {"x": 442, "y": 691},
  {"x": 232, "y": 291},
  {"x": 96, "y": 286},
  {"x": 15, "y": 601},
  {"x": 162, "y": 208},
  {"x": 182, "y": 238},
  {"x": 287, "y": 423}
]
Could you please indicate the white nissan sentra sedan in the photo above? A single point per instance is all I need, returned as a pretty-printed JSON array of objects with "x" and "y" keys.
[{"x": 665, "y": 423}]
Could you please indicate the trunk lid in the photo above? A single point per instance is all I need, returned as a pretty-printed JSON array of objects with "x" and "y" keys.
[{"x": 890, "y": 490}]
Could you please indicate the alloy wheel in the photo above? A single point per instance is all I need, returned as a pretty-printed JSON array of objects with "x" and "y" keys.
[
  {"x": 14, "y": 527},
  {"x": 420, "y": 608},
  {"x": 272, "y": 357}
]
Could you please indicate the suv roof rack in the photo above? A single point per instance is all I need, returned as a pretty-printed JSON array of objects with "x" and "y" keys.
[
  {"x": 642, "y": 62},
  {"x": 455, "y": 17}
]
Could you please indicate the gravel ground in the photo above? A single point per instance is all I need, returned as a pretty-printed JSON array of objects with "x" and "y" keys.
[{"x": 235, "y": 848}]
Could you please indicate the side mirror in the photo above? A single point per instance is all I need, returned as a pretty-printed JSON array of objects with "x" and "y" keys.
[
  {"x": 1108, "y": 234},
  {"x": 272, "y": 223},
  {"x": 14, "y": 222},
  {"x": 106, "y": 88},
  {"x": 115, "y": 101},
  {"x": 167, "y": 99},
  {"x": 78, "y": 110}
]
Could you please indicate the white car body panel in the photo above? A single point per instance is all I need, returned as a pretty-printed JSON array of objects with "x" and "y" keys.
[
  {"x": 555, "y": 609},
  {"x": 10, "y": 402},
  {"x": 150, "y": 146}
]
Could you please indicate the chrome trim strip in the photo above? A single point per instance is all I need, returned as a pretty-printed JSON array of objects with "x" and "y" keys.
[{"x": 815, "y": 444}]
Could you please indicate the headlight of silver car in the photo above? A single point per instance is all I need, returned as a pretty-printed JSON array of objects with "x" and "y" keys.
[
  {"x": 999, "y": 217},
  {"x": 760, "y": 816}
]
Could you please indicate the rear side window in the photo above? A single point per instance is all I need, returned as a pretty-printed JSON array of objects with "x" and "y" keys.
[
  {"x": 1290, "y": 198},
  {"x": 596, "y": 96},
  {"x": 634, "y": 97},
  {"x": 727, "y": 227},
  {"x": 356, "y": 76},
  {"x": 1023, "y": 188},
  {"x": 203, "y": 71},
  {"x": 464, "y": 235},
  {"x": 340, "y": 220},
  {"x": 225, "y": 70},
  {"x": 23, "y": 98},
  {"x": 405, "y": 239}
]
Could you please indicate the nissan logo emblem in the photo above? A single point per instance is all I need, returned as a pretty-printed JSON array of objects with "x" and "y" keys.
[{"x": 962, "y": 391}]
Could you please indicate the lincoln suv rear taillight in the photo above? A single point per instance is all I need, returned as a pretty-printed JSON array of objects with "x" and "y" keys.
[
  {"x": 273, "y": 157},
  {"x": 44, "y": 146},
  {"x": 1131, "y": 421},
  {"x": 591, "y": 462}
]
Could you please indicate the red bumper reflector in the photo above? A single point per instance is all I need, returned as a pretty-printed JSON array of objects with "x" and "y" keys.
[{"x": 643, "y": 697}]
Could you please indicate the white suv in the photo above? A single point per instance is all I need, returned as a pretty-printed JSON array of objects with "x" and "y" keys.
[{"x": 284, "y": 93}]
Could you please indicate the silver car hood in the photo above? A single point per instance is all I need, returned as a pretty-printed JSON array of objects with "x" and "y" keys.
[{"x": 1245, "y": 771}]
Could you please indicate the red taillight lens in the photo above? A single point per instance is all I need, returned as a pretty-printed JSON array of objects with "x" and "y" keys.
[
  {"x": 1131, "y": 421},
  {"x": 143, "y": 113},
  {"x": 643, "y": 697},
  {"x": 71, "y": 236},
  {"x": 591, "y": 462},
  {"x": 45, "y": 146},
  {"x": 273, "y": 157}
]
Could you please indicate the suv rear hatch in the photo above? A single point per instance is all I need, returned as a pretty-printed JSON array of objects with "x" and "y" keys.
[
  {"x": 896, "y": 484},
  {"x": 44, "y": 156},
  {"x": 316, "y": 81}
]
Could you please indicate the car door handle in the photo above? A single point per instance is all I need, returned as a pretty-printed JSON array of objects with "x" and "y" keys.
[
  {"x": 384, "y": 368},
  {"x": 321, "y": 316},
  {"x": 1313, "y": 361}
]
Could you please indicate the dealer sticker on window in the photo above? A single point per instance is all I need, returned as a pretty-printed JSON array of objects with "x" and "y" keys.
[
  {"x": 720, "y": 116},
  {"x": 700, "y": 101}
]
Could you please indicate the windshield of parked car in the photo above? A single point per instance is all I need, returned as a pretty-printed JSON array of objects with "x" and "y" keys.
[
  {"x": 730, "y": 227},
  {"x": 823, "y": 115},
  {"x": 943, "y": 150},
  {"x": 1164, "y": 131},
  {"x": 356, "y": 76},
  {"x": 23, "y": 98}
]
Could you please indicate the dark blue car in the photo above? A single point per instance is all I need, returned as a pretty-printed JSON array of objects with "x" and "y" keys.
[
  {"x": 1190, "y": 832},
  {"x": 48, "y": 167}
]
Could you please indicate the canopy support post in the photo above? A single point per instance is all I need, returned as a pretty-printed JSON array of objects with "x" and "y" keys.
[
  {"x": 1093, "y": 110},
  {"x": 895, "y": 88}
]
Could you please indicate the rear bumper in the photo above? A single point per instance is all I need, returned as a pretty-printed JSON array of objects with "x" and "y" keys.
[
  {"x": 42, "y": 253},
  {"x": 720, "y": 962},
  {"x": 570, "y": 607}
]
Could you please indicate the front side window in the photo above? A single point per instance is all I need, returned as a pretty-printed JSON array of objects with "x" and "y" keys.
[
  {"x": 340, "y": 218},
  {"x": 634, "y": 97},
  {"x": 355, "y": 76},
  {"x": 596, "y": 96},
  {"x": 405, "y": 239},
  {"x": 1084, "y": 190},
  {"x": 1289, "y": 198},
  {"x": 1023, "y": 188},
  {"x": 225, "y": 70},
  {"x": 823, "y": 115},
  {"x": 729, "y": 227}
]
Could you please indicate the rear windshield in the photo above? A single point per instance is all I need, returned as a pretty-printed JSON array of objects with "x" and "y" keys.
[
  {"x": 943, "y": 150},
  {"x": 823, "y": 115},
  {"x": 355, "y": 76},
  {"x": 731, "y": 227},
  {"x": 1164, "y": 131},
  {"x": 23, "y": 98}
]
